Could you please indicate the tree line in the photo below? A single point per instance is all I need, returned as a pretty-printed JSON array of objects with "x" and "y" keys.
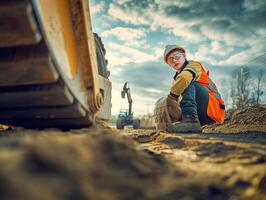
[{"x": 245, "y": 89}]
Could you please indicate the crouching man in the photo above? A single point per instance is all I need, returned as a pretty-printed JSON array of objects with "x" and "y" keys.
[{"x": 199, "y": 98}]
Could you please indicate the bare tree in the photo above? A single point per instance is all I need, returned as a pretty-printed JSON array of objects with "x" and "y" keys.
[
  {"x": 233, "y": 86},
  {"x": 240, "y": 88},
  {"x": 225, "y": 92},
  {"x": 259, "y": 89}
]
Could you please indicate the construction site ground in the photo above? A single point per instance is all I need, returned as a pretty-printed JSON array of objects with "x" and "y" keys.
[{"x": 225, "y": 162}]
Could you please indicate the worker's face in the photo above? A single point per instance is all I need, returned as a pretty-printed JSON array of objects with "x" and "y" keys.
[{"x": 176, "y": 59}]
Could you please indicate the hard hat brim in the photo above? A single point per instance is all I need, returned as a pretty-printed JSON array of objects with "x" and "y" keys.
[{"x": 171, "y": 50}]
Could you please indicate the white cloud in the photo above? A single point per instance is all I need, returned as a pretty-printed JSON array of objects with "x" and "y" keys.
[
  {"x": 117, "y": 102},
  {"x": 202, "y": 55},
  {"x": 213, "y": 34},
  {"x": 153, "y": 90},
  {"x": 238, "y": 58},
  {"x": 130, "y": 36},
  {"x": 220, "y": 23},
  {"x": 96, "y": 8},
  {"x": 258, "y": 45},
  {"x": 158, "y": 52},
  {"x": 122, "y": 1},
  {"x": 156, "y": 19},
  {"x": 115, "y": 60},
  {"x": 121, "y": 55},
  {"x": 253, "y": 5},
  {"x": 141, "y": 104},
  {"x": 246, "y": 56},
  {"x": 188, "y": 35},
  {"x": 177, "y": 26},
  {"x": 126, "y": 16},
  {"x": 161, "y": 19},
  {"x": 133, "y": 54},
  {"x": 179, "y": 3},
  {"x": 125, "y": 33},
  {"x": 217, "y": 48},
  {"x": 210, "y": 53}
]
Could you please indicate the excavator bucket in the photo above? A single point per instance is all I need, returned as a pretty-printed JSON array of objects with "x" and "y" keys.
[
  {"x": 53, "y": 68},
  {"x": 166, "y": 113}
]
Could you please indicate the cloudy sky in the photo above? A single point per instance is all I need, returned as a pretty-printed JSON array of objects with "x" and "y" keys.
[{"x": 222, "y": 34}]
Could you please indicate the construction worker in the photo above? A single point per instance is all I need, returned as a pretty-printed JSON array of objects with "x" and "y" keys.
[{"x": 201, "y": 102}]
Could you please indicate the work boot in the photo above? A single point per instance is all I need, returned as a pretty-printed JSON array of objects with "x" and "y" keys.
[{"x": 188, "y": 124}]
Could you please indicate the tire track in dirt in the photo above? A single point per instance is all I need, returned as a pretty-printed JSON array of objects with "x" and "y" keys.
[{"x": 232, "y": 161}]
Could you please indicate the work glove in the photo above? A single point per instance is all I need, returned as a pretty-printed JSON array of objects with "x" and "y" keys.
[{"x": 173, "y": 108}]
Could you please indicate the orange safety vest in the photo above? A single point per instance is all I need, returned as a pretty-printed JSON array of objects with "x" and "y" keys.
[{"x": 216, "y": 107}]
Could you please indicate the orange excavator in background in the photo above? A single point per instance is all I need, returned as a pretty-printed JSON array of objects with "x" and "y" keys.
[{"x": 53, "y": 68}]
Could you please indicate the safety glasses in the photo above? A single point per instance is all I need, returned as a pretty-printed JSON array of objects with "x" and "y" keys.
[{"x": 174, "y": 56}]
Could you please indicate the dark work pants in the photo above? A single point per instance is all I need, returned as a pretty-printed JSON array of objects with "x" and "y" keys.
[{"x": 195, "y": 101}]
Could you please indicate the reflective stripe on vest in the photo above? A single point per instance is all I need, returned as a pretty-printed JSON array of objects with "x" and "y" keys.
[
  {"x": 216, "y": 108},
  {"x": 212, "y": 87}
]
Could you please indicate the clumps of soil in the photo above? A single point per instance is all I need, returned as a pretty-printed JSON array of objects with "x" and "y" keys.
[
  {"x": 97, "y": 164},
  {"x": 246, "y": 120},
  {"x": 85, "y": 164},
  {"x": 211, "y": 166}
]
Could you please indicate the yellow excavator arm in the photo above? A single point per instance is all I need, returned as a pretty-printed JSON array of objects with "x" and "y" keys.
[{"x": 53, "y": 68}]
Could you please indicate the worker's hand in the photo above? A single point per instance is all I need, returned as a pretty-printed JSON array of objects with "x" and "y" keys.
[{"x": 173, "y": 108}]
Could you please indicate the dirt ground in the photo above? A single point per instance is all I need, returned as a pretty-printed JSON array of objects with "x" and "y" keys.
[
  {"x": 225, "y": 162},
  {"x": 246, "y": 120}
]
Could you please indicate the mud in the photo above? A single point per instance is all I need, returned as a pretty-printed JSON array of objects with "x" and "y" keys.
[{"x": 100, "y": 163}]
